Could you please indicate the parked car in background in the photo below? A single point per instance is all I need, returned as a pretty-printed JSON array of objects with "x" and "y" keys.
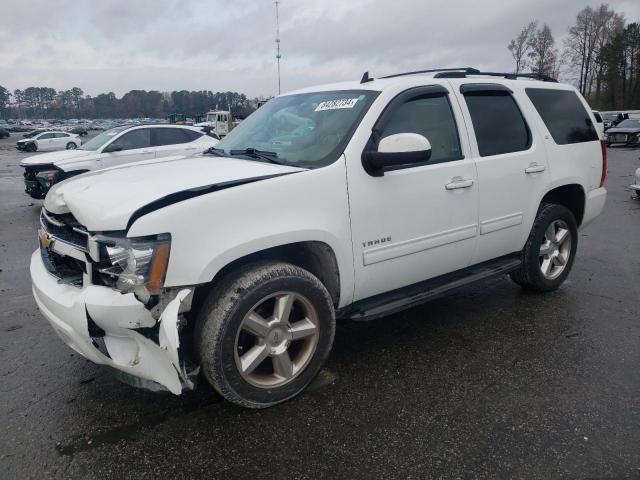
[
  {"x": 599, "y": 124},
  {"x": 120, "y": 145},
  {"x": 611, "y": 119},
  {"x": 353, "y": 200},
  {"x": 80, "y": 131},
  {"x": 48, "y": 140},
  {"x": 4, "y": 133},
  {"x": 635, "y": 186},
  {"x": 627, "y": 132}
]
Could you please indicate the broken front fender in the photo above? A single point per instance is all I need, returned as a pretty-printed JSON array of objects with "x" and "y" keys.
[{"x": 102, "y": 325}]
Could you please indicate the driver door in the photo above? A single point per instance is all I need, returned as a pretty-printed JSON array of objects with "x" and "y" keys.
[
  {"x": 416, "y": 221},
  {"x": 133, "y": 146}
]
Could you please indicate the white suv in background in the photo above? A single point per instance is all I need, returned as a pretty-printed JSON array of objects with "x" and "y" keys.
[
  {"x": 118, "y": 146},
  {"x": 350, "y": 200},
  {"x": 49, "y": 141}
]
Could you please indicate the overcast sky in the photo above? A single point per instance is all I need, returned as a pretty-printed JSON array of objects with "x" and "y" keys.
[{"x": 119, "y": 45}]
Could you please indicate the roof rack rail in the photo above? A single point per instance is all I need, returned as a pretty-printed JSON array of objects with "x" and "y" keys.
[
  {"x": 469, "y": 70},
  {"x": 508, "y": 76}
]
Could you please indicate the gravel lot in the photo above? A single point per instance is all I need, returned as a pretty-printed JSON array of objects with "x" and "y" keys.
[{"x": 489, "y": 383}]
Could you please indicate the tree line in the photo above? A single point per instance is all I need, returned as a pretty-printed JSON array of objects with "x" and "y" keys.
[
  {"x": 45, "y": 102},
  {"x": 600, "y": 55}
]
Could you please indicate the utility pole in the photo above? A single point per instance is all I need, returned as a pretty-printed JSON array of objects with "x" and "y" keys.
[{"x": 278, "y": 56}]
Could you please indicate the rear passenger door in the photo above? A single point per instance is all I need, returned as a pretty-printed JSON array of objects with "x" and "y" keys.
[
  {"x": 175, "y": 141},
  {"x": 511, "y": 163},
  {"x": 61, "y": 140}
]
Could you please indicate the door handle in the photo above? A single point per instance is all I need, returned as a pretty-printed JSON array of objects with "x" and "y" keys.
[
  {"x": 534, "y": 168},
  {"x": 458, "y": 182}
]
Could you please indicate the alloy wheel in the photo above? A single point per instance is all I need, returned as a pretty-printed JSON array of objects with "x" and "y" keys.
[
  {"x": 276, "y": 339},
  {"x": 555, "y": 249}
]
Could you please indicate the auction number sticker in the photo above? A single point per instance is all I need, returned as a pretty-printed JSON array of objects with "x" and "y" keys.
[{"x": 335, "y": 104}]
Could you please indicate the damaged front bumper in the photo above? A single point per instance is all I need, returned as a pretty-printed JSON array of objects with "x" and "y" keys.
[{"x": 107, "y": 328}]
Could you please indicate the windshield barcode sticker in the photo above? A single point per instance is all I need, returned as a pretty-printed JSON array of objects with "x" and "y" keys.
[{"x": 334, "y": 104}]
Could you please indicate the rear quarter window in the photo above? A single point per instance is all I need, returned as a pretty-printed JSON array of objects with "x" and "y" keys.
[
  {"x": 191, "y": 135},
  {"x": 564, "y": 115}
]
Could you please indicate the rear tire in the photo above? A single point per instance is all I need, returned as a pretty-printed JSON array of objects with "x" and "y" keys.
[
  {"x": 548, "y": 255},
  {"x": 264, "y": 333}
]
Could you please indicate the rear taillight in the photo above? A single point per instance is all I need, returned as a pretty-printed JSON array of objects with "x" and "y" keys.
[{"x": 603, "y": 177}]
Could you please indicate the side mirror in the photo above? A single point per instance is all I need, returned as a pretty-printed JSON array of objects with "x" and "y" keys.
[
  {"x": 113, "y": 148},
  {"x": 397, "y": 150}
]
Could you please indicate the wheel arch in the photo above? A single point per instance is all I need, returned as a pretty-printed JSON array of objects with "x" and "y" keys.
[
  {"x": 569, "y": 195},
  {"x": 314, "y": 256}
]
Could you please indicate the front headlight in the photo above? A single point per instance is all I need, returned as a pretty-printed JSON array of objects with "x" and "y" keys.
[
  {"x": 136, "y": 265},
  {"x": 48, "y": 177}
]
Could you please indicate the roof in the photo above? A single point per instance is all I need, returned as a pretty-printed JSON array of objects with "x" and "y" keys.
[{"x": 435, "y": 76}]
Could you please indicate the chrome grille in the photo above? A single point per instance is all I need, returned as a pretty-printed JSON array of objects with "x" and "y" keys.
[
  {"x": 65, "y": 228},
  {"x": 619, "y": 137}
]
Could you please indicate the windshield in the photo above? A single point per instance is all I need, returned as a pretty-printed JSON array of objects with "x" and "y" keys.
[
  {"x": 97, "y": 142},
  {"x": 629, "y": 123},
  {"x": 308, "y": 129}
]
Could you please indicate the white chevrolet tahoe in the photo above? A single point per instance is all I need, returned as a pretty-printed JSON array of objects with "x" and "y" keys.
[
  {"x": 351, "y": 200},
  {"x": 117, "y": 146}
]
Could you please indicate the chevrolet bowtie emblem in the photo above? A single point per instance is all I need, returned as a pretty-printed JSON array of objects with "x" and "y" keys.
[{"x": 46, "y": 240}]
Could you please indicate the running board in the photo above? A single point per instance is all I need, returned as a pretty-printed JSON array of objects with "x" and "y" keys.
[{"x": 418, "y": 293}]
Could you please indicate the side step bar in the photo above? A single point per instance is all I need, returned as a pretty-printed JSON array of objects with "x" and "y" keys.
[{"x": 406, "y": 297}]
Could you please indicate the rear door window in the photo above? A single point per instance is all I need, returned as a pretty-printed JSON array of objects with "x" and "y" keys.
[
  {"x": 191, "y": 135},
  {"x": 497, "y": 121},
  {"x": 564, "y": 115},
  {"x": 169, "y": 136}
]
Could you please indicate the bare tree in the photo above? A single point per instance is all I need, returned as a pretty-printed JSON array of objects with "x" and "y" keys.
[
  {"x": 594, "y": 27},
  {"x": 543, "y": 55},
  {"x": 520, "y": 46}
]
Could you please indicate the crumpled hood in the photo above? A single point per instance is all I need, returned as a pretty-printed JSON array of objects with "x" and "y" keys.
[
  {"x": 59, "y": 159},
  {"x": 105, "y": 200},
  {"x": 623, "y": 130}
]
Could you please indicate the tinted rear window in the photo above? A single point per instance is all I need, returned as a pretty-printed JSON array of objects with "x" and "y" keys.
[
  {"x": 564, "y": 115},
  {"x": 498, "y": 123},
  {"x": 191, "y": 135},
  {"x": 170, "y": 136}
]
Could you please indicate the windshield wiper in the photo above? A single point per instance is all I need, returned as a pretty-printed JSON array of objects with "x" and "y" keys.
[
  {"x": 259, "y": 154},
  {"x": 215, "y": 151}
]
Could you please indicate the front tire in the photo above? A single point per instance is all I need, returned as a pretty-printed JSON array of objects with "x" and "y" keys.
[
  {"x": 31, "y": 147},
  {"x": 264, "y": 333},
  {"x": 548, "y": 255},
  {"x": 71, "y": 146}
]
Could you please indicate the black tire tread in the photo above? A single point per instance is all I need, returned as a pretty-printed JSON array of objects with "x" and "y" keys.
[
  {"x": 219, "y": 306},
  {"x": 528, "y": 276}
]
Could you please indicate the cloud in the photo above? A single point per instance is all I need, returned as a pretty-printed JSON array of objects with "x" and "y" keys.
[{"x": 216, "y": 45}]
